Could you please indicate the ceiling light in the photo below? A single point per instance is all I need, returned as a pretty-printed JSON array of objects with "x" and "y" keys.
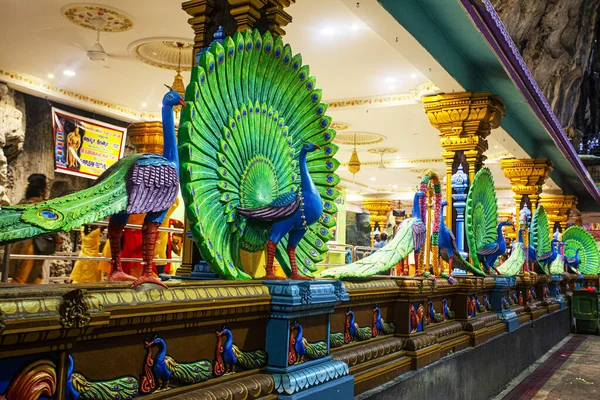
[
  {"x": 372, "y": 178},
  {"x": 144, "y": 105},
  {"x": 413, "y": 76},
  {"x": 51, "y": 76},
  {"x": 355, "y": 27},
  {"x": 395, "y": 186},
  {"x": 390, "y": 79},
  {"x": 391, "y": 87},
  {"x": 397, "y": 157},
  {"x": 68, "y": 72},
  {"x": 328, "y": 31},
  {"x": 495, "y": 147}
]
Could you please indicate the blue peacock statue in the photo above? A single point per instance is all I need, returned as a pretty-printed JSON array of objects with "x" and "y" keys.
[
  {"x": 353, "y": 331},
  {"x": 448, "y": 250},
  {"x": 581, "y": 250},
  {"x": 228, "y": 355},
  {"x": 300, "y": 347},
  {"x": 513, "y": 265},
  {"x": 379, "y": 326},
  {"x": 484, "y": 234},
  {"x": 162, "y": 369},
  {"x": 137, "y": 184},
  {"x": 250, "y": 175},
  {"x": 446, "y": 313},
  {"x": 410, "y": 237},
  {"x": 79, "y": 388}
]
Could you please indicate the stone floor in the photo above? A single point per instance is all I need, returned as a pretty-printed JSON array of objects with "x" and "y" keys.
[{"x": 571, "y": 370}]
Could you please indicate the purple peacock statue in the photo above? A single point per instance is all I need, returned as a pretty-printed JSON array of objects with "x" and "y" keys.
[{"x": 137, "y": 184}]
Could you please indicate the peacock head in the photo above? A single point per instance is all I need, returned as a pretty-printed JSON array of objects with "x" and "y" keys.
[
  {"x": 154, "y": 342},
  {"x": 172, "y": 99},
  {"x": 505, "y": 223},
  {"x": 310, "y": 147}
]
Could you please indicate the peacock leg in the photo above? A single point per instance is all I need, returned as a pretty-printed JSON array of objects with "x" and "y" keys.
[
  {"x": 115, "y": 232},
  {"x": 417, "y": 254},
  {"x": 295, "y": 275},
  {"x": 149, "y": 232},
  {"x": 270, "y": 276},
  {"x": 450, "y": 260}
]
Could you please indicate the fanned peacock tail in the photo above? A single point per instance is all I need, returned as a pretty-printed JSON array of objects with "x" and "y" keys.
[
  {"x": 117, "y": 389},
  {"x": 575, "y": 237},
  {"x": 315, "y": 350},
  {"x": 382, "y": 260},
  {"x": 195, "y": 372},
  {"x": 336, "y": 339},
  {"x": 252, "y": 105},
  {"x": 481, "y": 214},
  {"x": 250, "y": 359},
  {"x": 540, "y": 234},
  {"x": 512, "y": 266},
  {"x": 557, "y": 266},
  {"x": 108, "y": 196}
]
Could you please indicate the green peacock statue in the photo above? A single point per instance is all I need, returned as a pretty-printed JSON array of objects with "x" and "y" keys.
[
  {"x": 256, "y": 151},
  {"x": 581, "y": 251},
  {"x": 513, "y": 265},
  {"x": 484, "y": 234},
  {"x": 540, "y": 240},
  {"x": 79, "y": 388}
]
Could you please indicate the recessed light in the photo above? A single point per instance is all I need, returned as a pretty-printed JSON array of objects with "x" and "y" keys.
[
  {"x": 51, "y": 76},
  {"x": 397, "y": 157},
  {"x": 355, "y": 27},
  {"x": 495, "y": 147},
  {"x": 390, "y": 79},
  {"x": 395, "y": 186},
  {"x": 413, "y": 76},
  {"x": 68, "y": 72},
  {"x": 144, "y": 105},
  {"x": 372, "y": 179},
  {"x": 328, "y": 31},
  {"x": 391, "y": 87}
]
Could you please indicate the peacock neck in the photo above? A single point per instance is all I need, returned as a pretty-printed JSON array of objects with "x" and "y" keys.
[
  {"x": 228, "y": 340},
  {"x": 306, "y": 183},
  {"x": 442, "y": 223},
  {"x": 416, "y": 209},
  {"x": 162, "y": 352},
  {"x": 520, "y": 236},
  {"x": 299, "y": 335},
  {"x": 170, "y": 140},
  {"x": 500, "y": 235}
]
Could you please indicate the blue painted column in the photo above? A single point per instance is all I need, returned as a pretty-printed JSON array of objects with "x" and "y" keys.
[
  {"x": 460, "y": 184},
  {"x": 291, "y": 303},
  {"x": 500, "y": 301},
  {"x": 554, "y": 290}
]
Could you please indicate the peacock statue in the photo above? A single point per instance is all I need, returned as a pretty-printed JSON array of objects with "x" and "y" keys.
[
  {"x": 336, "y": 339},
  {"x": 257, "y": 166},
  {"x": 36, "y": 381},
  {"x": 353, "y": 331},
  {"x": 300, "y": 347},
  {"x": 448, "y": 250},
  {"x": 581, "y": 250},
  {"x": 228, "y": 355},
  {"x": 79, "y": 388},
  {"x": 410, "y": 237},
  {"x": 503, "y": 303},
  {"x": 379, "y": 326},
  {"x": 540, "y": 240},
  {"x": 446, "y": 312},
  {"x": 558, "y": 265},
  {"x": 137, "y": 184},
  {"x": 484, "y": 234},
  {"x": 416, "y": 317},
  {"x": 574, "y": 262},
  {"x": 162, "y": 369},
  {"x": 513, "y": 265}
]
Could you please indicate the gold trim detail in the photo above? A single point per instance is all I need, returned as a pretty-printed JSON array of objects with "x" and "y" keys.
[
  {"x": 412, "y": 97},
  {"x": 81, "y": 14}
]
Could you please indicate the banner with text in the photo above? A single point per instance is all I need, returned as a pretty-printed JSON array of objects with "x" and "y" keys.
[{"x": 83, "y": 146}]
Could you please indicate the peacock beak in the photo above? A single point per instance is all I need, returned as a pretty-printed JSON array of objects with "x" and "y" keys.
[
  {"x": 317, "y": 147},
  {"x": 149, "y": 344},
  {"x": 182, "y": 103}
]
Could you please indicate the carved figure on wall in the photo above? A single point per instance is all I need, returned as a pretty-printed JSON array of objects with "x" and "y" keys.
[
  {"x": 137, "y": 184},
  {"x": 79, "y": 388},
  {"x": 353, "y": 331},
  {"x": 300, "y": 347},
  {"x": 228, "y": 355},
  {"x": 36, "y": 380},
  {"x": 379, "y": 326}
]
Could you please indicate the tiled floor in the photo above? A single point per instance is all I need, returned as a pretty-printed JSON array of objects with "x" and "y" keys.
[{"x": 571, "y": 371}]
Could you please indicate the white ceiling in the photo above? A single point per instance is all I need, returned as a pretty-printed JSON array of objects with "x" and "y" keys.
[{"x": 354, "y": 53}]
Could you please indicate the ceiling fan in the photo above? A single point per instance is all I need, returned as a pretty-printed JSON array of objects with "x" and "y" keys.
[{"x": 96, "y": 52}]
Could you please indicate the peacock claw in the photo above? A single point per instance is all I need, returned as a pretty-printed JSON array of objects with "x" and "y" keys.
[
  {"x": 120, "y": 276},
  {"x": 273, "y": 277},
  {"x": 148, "y": 279},
  {"x": 298, "y": 277}
]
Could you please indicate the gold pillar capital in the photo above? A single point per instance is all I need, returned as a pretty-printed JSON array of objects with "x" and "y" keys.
[
  {"x": 557, "y": 207},
  {"x": 527, "y": 176},
  {"x": 200, "y": 11},
  {"x": 147, "y": 137},
  {"x": 379, "y": 210}
]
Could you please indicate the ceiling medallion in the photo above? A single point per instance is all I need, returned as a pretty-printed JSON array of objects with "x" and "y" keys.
[
  {"x": 358, "y": 138},
  {"x": 164, "y": 52},
  {"x": 339, "y": 125},
  {"x": 83, "y": 14}
]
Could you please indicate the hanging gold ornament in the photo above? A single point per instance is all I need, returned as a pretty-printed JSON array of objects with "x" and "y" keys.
[
  {"x": 354, "y": 163},
  {"x": 178, "y": 85}
]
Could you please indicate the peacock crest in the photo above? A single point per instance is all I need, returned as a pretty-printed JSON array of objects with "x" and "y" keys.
[{"x": 253, "y": 106}]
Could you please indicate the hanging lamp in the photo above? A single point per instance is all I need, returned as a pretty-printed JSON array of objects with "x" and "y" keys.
[
  {"x": 178, "y": 85},
  {"x": 354, "y": 163}
]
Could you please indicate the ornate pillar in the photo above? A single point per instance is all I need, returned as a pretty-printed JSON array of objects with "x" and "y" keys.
[
  {"x": 277, "y": 16},
  {"x": 464, "y": 120},
  {"x": 147, "y": 137},
  {"x": 246, "y": 12},
  {"x": 379, "y": 211},
  {"x": 200, "y": 11},
  {"x": 527, "y": 176},
  {"x": 460, "y": 184},
  {"x": 558, "y": 208}
]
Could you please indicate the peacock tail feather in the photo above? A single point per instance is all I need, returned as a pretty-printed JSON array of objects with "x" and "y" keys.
[
  {"x": 364, "y": 333},
  {"x": 512, "y": 266},
  {"x": 382, "y": 260},
  {"x": 188, "y": 373},
  {"x": 252, "y": 106},
  {"x": 557, "y": 266},
  {"x": 118, "y": 389},
  {"x": 388, "y": 328},
  {"x": 540, "y": 233},
  {"x": 315, "y": 350},
  {"x": 336, "y": 339},
  {"x": 250, "y": 359},
  {"x": 481, "y": 214},
  {"x": 575, "y": 237},
  {"x": 108, "y": 196}
]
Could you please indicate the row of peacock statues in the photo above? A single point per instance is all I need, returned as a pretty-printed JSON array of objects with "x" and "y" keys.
[{"x": 254, "y": 160}]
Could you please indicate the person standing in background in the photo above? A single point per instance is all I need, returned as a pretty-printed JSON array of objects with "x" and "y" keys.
[{"x": 382, "y": 242}]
